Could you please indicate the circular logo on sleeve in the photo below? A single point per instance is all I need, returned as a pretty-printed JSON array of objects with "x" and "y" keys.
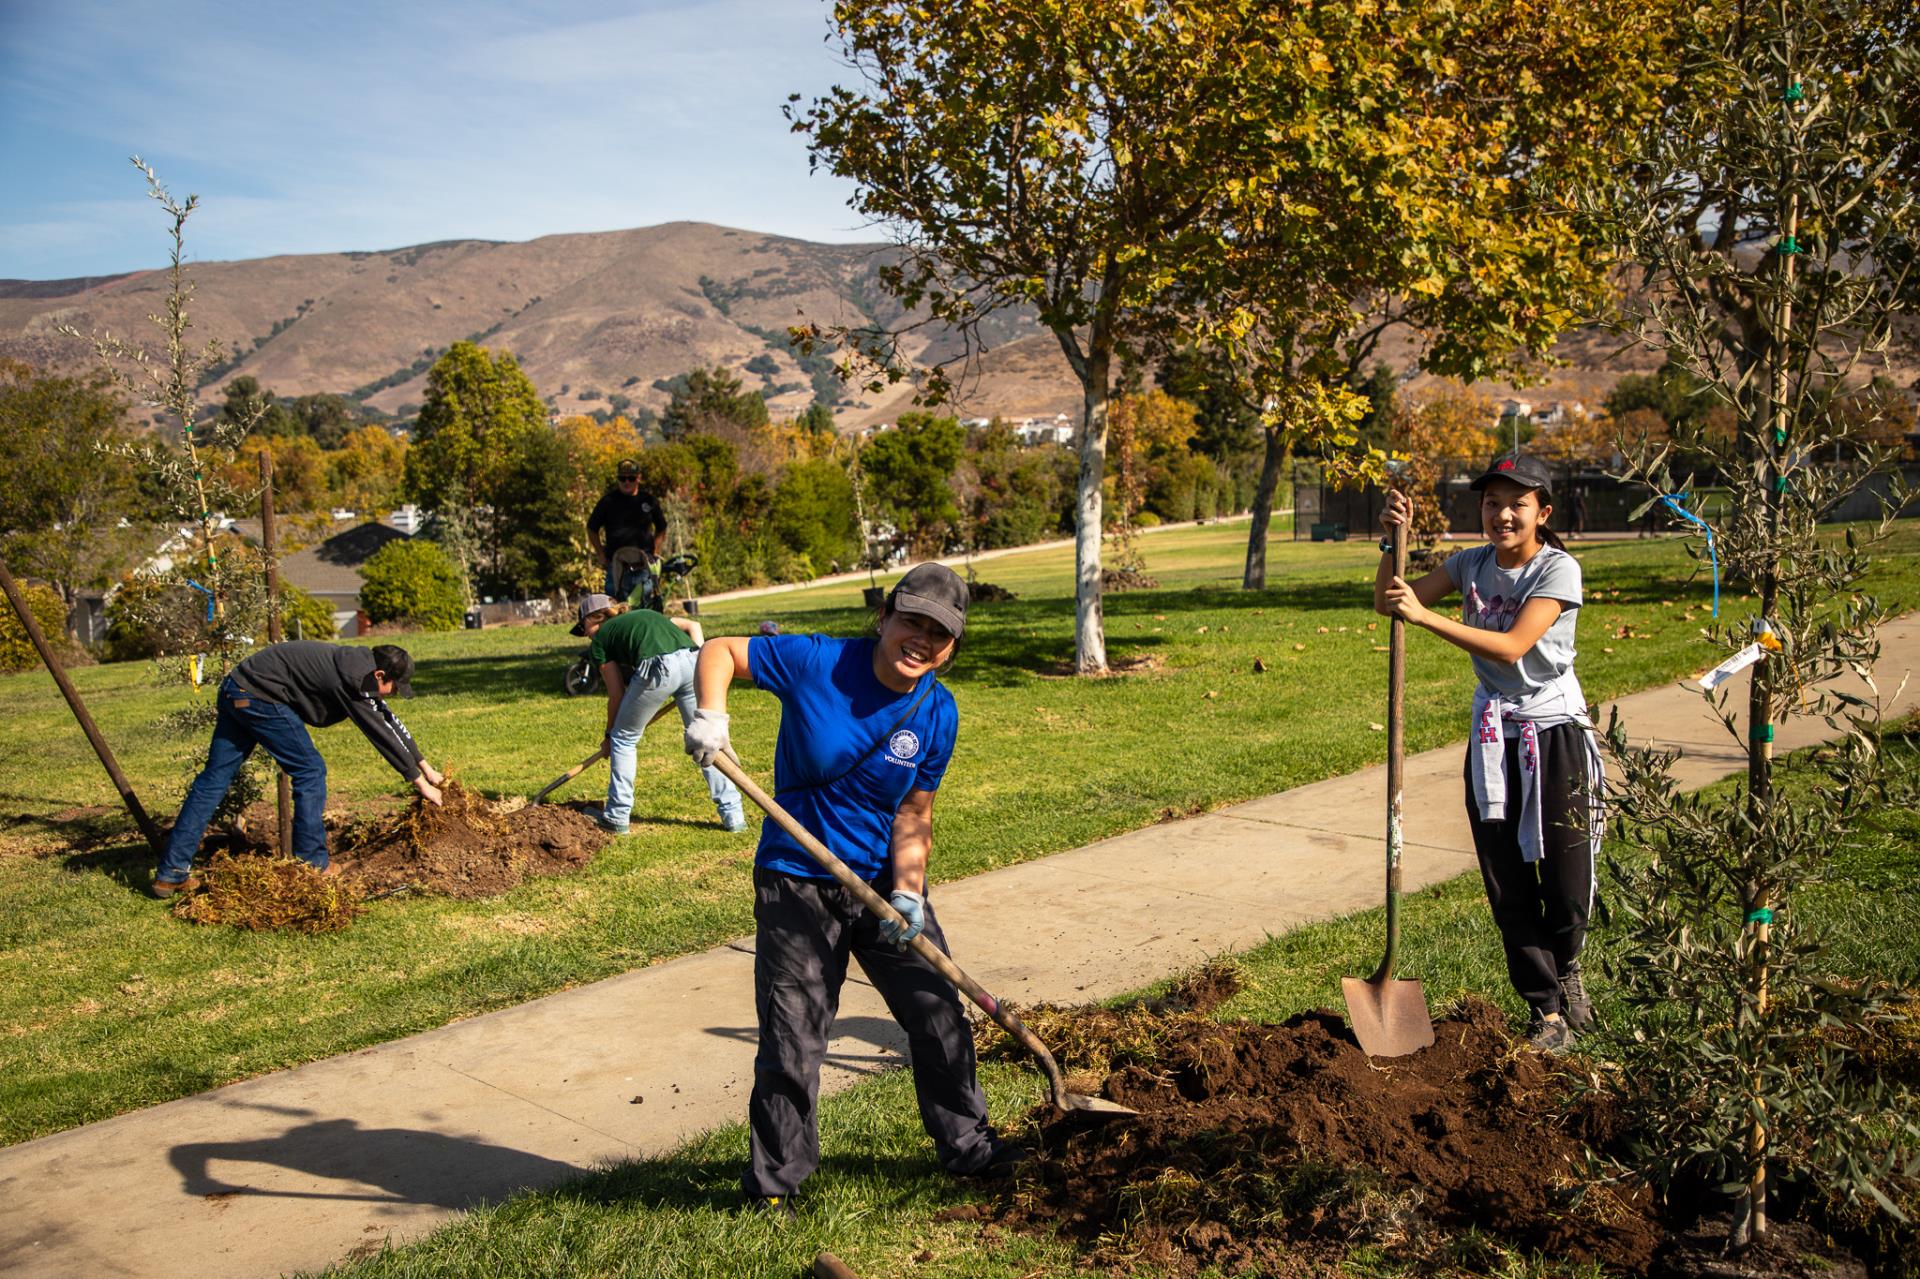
[{"x": 904, "y": 744}]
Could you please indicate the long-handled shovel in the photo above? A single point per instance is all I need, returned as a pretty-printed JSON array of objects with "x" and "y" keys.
[
  {"x": 586, "y": 763},
  {"x": 1003, "y": 1016},
  {"x": 1389, "y": 1015},
  {"x": 569, "y": 775}
]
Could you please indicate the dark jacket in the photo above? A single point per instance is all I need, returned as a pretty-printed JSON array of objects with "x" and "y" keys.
[{"x": 324, "y": 684}]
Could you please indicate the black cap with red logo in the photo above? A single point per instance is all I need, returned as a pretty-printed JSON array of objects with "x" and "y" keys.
[{"x": 1521, "y": 469}]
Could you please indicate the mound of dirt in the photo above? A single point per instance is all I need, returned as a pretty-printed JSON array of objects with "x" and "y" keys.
[
  {"x": 988, "y": 593},
  {"x": 1259, "y": 1145},
  {"x": 470, "y": 847},
  {"x": 1127, "y": 579}
]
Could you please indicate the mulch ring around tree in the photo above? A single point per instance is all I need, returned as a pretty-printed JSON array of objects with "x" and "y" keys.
[
  {"x": 1277, "y": 1149},
  {"x": 469, "y": 847}
]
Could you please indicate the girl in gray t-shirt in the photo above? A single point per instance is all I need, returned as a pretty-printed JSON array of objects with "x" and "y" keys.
[{"x": 1533, "y": 766}]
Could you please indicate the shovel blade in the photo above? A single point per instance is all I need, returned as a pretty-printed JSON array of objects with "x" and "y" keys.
[
  {"x": 1389, "y": 1018},
  {"x": 1092, "y": 1105}
]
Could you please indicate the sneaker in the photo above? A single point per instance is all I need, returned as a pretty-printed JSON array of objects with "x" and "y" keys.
[
  {"x": 599, "y": 816},
  {"x": 169, "y": 887},
  {"x": 1550, "y": 1034},
  {"x": 778, "y": 1206},
  {"x": 1575, "y": 1006},
  {"x": 733, "y": 821}
]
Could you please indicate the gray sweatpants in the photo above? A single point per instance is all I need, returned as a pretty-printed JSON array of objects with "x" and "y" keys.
[{"x": 806, "y": 928}]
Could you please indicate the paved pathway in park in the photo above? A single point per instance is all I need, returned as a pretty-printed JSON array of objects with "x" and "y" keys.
[{"x": 297, "y": 1169}]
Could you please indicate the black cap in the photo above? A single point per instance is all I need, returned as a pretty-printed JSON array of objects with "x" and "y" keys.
[
  {"x": 393, "y": 660},
  {"x": 933, "y": 591},
  {"x": 628, "y": 469},
  {"x": 1521, "y": 469}
]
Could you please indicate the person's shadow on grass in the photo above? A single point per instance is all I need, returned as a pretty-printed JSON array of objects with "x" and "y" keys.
[{"x": 412, "y": 1166}]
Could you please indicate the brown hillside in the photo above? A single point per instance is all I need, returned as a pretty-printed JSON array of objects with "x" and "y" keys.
[{"x": 594, "y": 314}]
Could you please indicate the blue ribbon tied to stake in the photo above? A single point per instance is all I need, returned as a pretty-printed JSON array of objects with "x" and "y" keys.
[
  {"x": 204, "y": 591},
  {"x": 1713, "y": 552}
]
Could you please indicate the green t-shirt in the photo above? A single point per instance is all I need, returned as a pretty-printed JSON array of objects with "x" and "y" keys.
[{"x": 632, "y": 637}]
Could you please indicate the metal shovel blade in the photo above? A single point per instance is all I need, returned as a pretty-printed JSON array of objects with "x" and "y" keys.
[
  {"x": 1389, "y": 1017},
  {"x": 1098, "y": 1105}
]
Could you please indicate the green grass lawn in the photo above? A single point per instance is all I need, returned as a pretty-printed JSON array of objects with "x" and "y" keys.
[
  {"x": 876, "y": 1199},
  {"x": 108, "y": 1003}
]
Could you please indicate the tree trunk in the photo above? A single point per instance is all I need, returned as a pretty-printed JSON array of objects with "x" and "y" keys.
[
  {"x": 1255, "y": 578},
  {"x": 1089, "y": 621}
]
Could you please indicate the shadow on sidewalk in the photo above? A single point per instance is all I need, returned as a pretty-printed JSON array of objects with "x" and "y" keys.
[
  {"x": 412, "y": 1166},
  {"x": 882, "y": 1033}
]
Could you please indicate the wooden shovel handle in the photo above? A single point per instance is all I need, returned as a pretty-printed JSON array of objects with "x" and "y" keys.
[
  {"x": 942, "y": 963},
  {"x": 569, "y": 775},
  {"x": 1396, "y": 758}
]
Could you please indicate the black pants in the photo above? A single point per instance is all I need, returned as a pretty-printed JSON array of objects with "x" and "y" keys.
[
  {"x": 1542, "y": 907},
  {"x": 806, "y": 928}
]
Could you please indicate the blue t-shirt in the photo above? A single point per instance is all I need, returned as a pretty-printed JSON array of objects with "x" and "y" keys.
[{"x": 833, "y": 710}]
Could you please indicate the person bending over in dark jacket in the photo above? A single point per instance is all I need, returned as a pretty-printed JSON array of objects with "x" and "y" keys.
[{"x": 268, "y": 700}]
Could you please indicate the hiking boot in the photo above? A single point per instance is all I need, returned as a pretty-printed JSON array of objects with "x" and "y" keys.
[
  {"x": 778, "y": 1206},
  {"x": 1002, "y": 1163},
  {"x": 1575, "y": 1006},
  {"x": 169, "y": 887},
  {"x": 599, "y": 816},
  {"x": 1550, "y": 1034}
]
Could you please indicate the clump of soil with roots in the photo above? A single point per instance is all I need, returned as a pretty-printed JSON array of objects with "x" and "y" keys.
[{"x": 467, "y": 847}]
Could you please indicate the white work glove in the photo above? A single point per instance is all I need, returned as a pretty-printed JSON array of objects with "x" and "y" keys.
[
  {"x": 706, "y": 737},
  {"x": 913, "y": 907}
]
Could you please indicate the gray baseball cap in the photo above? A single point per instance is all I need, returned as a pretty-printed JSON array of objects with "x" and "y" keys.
[
  {"x": 933, "y": 591},
  {"x": 591, "y": 604}
]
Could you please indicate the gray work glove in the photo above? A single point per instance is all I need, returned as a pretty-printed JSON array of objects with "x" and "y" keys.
[
  {"x": 913, "y": 907},
  {"x": 706, "y": 737}
]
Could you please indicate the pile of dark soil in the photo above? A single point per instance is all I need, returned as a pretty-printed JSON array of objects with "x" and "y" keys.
[
  {"x": 1127, "y": 579},
  {"x": 1260, "y": 1148},
  {"x": 470, "y": 847},
  {"x": 988, "y": 593},
  {"x": 263, "y": 893}
]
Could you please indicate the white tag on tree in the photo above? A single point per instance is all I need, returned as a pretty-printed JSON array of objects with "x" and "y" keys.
[{"x": 1732, "y": 666}]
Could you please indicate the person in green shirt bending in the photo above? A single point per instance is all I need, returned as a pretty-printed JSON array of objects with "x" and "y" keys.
[{"x": 661, "y": 653}]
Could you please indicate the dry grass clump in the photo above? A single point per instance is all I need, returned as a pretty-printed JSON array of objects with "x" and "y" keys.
[
  {"x": 1096, "y": 1040},
  {"x": 263, "y": 894}
]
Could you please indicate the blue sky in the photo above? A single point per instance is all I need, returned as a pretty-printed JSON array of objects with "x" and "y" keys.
[{"x": 329, "y": 125}]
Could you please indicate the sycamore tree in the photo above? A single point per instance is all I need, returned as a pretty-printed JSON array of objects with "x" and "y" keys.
[
  {"x": 1771, "y": 210},
  {"x": 1081, "y": 161},
  {"x": 1285, "y": 181}
]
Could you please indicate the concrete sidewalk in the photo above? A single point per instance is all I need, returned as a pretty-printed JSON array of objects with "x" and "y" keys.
[{"x": 332, "y": 1159}]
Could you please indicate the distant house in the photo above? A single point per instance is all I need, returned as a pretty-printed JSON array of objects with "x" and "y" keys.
[
  {"x": 1044, "y": 430},
  {"x": 330, "y": 570}
]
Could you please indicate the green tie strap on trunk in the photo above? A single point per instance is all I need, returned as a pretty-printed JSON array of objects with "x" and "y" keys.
[
  {"x": 1762, "y": 732},
  {"x": 1789, "y": 246},
  {"x": 1759, "y": 915}
]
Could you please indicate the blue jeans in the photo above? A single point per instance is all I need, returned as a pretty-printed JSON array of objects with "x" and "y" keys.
[
  {"x": 243, "y": 722},
  {"x": 656, "y": 680},
  {"x": 624, "y": 579}
]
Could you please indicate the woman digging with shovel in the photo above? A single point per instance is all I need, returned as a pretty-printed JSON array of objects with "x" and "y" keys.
[
  {"x": 1533, "y": 766},
  {"x": 866, "y": 732}
]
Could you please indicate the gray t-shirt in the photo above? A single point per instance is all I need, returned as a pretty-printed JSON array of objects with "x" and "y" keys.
[{"x": 1492, "y": 600}]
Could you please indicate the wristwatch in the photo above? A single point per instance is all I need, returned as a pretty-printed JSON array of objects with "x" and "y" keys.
[{"x": 1386, "y": 546}]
